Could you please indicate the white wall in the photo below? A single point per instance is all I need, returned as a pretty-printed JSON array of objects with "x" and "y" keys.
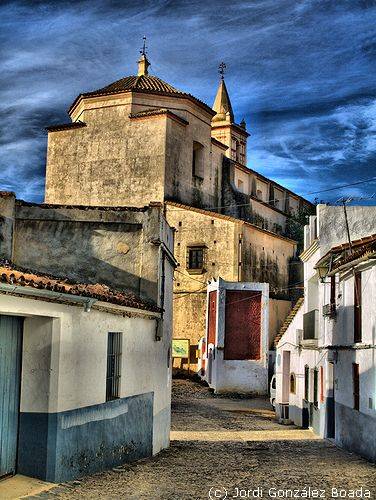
[
  {"x": 247, "y": 376},
  {"x": 70, "y": 372}
]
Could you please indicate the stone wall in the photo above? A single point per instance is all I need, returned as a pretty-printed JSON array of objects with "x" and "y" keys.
[{"x": 7, "y": 207}]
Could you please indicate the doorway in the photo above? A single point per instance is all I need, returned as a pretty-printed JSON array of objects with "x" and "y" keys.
[{"x": 10, "y": 381}]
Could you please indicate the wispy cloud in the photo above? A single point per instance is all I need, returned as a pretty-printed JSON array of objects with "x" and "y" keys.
[{"x": 301, "y": 73}]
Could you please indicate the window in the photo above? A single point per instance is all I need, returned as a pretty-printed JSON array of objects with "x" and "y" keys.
[
  {"x": 113, "y": 365},
  {"x": 315, "y": 387},
  {"x": 321, "y": 384},
  {"x": 195, "y": 258},
  {"x": 240, "y": 185},
  {"x": 358, "y": 307},
  {"x": 198, "y": 160},
  {"x": 356, "y": 385},
  {"x": 306, "y": 383},
  {"x": 259, "y": 194},
  {"x": 292, "y": 383}
]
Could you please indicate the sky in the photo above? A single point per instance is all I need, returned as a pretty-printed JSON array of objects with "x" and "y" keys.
[{"x": 301, "y": 72}]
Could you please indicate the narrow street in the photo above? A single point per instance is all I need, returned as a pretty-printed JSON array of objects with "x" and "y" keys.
[{"x": 229, "y": 445}]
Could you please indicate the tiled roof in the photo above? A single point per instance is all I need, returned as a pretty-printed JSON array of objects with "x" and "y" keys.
[
  {"x": 11, "y": 275},
  {"x": 355, "y": 243},
  {"x": 7, "y": 194},
  {"x": 65, "y": 126},
  {"x": 157, "y": 112},
  {"x": 341, "y": 253},
  {"x": 288, "y": 320},
  {"x": 143, "y": 83},
  {"x": 23, "y": 203},
  {"x": 219, "y": 143}
]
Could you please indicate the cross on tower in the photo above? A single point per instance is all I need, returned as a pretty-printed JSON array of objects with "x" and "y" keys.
[
  {"x": 144, "y": 47},
  {"x": 221, "y": 69}
]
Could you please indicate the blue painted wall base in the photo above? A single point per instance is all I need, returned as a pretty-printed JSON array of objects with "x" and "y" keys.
[{"x": 63, "y": 446}]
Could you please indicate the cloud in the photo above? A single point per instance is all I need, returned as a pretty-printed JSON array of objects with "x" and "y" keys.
[{"x": 300, "y": 72}]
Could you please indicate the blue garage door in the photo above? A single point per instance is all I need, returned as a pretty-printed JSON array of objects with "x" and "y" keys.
[{"x": 10, "y": 373}]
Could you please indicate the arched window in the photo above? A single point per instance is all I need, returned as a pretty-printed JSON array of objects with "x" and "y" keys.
[{"x": 292, "y": 383}]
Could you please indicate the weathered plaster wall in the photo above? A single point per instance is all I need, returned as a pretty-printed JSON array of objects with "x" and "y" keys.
[
  {"x": 93, "y": 246},
  {"x": 263, "y": 257},
  {"x": 266, "y": 259},
  {"x": 278, "y": 312},
  {"x": 113, "y": 161},
  {"x": 181, "y": 185},
  {"x": 7, "y": 213},
  {"x": 332, "y": 225},
  {"x": 221, "y": 240}
]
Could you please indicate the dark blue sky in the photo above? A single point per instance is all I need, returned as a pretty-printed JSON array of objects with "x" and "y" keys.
[{"x": 301, "y": 72}]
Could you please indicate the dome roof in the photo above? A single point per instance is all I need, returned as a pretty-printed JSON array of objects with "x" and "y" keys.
[{"x": 142, "y": 83}]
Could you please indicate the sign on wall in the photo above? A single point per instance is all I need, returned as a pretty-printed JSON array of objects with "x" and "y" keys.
[{"x": 180, "y": 348}]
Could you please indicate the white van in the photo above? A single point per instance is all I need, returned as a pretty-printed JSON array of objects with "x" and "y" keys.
[{"x": 273, "y": 390}]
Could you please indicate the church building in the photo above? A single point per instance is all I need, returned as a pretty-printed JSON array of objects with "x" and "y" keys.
[{"x": 141, "y": 140}]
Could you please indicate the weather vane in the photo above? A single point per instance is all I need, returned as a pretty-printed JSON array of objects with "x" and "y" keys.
[
  {"x": 143, "y": 50},
  {"x": 221, "y": 69}
]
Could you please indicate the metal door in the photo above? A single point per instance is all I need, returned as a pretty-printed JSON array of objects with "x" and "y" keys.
[{"x": 10, "y": 375}]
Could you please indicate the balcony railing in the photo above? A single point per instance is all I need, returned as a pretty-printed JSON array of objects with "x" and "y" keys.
[{"x": 310, "y": 325}]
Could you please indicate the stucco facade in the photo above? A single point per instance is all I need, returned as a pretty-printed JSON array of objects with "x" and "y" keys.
[
  {"x": 319, "y": 351},
  {"x": 237, "y": 314},
  {"x": 67, "y": 428},
  {"x": 235, "y": 251}
]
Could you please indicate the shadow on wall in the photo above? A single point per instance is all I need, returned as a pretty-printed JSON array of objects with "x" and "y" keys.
[{"x": 84, "y": 251}]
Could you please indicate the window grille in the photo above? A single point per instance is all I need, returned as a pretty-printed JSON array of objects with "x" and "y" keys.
[
  {"x": 113, "y": 365},
  {"x": 356, "y": 389},
  {"x": 316, "y": 387},
  {"x": 306, "y": 383},
  {"x": 358, "y": 307}
]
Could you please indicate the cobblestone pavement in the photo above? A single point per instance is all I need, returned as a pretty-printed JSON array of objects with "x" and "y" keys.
[{"x": 235, "y": 447}]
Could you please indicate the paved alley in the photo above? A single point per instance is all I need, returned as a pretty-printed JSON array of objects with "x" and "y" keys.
[{"x": 230, "y": 447}]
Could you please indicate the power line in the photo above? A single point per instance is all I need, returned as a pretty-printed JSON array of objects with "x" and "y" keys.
[{"x": 285, "y": 196}]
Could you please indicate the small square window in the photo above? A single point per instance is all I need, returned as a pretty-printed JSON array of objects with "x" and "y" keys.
[{"x": 195, "y": 258}]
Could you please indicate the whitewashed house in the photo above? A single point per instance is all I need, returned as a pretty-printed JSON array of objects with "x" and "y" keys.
[
  {"x": 85, "y": 367},
  {"x": 326, "y": 364},
  {"x": 235, "y": 354}
]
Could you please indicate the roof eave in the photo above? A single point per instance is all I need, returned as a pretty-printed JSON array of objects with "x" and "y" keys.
[{"x": 188, "y": 97}]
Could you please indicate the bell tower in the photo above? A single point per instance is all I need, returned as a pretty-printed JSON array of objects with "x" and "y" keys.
[{"x": 224, "y": 128}]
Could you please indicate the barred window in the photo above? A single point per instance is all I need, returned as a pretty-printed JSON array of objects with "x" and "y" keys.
[
  {"x": 306, "y": 383},
  {"x": 113, "y": 365},
  {"x": 316, "y": 387}
]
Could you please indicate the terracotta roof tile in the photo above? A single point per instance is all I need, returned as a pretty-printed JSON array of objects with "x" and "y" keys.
[
  {"x": 145, "y": 83},
  {"x": 12, "y": 275},
  {"x": 157, "y": 112},
  {"x": 65, "y": 126},
  {"x": 7, "y": 194}
]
